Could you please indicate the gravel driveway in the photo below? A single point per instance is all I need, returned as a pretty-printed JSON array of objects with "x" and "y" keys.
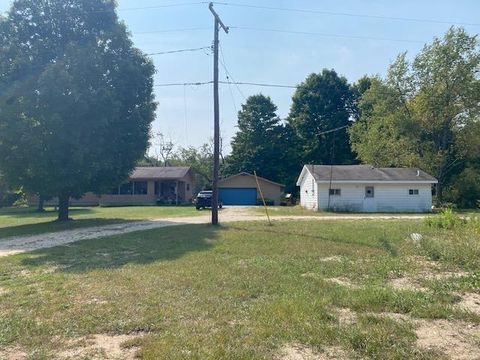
[{"x": 15, "y": 245}]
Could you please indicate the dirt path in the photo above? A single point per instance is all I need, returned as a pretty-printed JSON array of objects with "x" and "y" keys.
[{"x": 15, "y": 245}]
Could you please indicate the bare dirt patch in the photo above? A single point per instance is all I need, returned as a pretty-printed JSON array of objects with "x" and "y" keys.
[
  {"x": 394, "y": 316},
  {"x": 455, "y": 339},
  {"x": 406, "y": 283},
  {"x": 343, "y": 282},
  {"x": 101, "y": 346},
  {"x": 346, "y": 316},
  {"x": 331, "y": 259},
  {"x": 3, "y": 291},
  {"x": 470, "y": 302},
  {"x": 302, "y": 352},
  {"x": 13, "y": 353}
]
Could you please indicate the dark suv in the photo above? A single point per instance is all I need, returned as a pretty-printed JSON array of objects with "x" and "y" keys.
[{"x": 204, "y": 200}]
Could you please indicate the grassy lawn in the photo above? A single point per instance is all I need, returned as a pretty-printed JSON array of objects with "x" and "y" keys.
[
  {"x": 300, "y": 211},
  {"x": 243, "y": 291},
  {"x": 26, "y": 221}
]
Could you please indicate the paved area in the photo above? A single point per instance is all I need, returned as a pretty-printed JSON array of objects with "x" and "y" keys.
[{"x": 15, "y": 245}]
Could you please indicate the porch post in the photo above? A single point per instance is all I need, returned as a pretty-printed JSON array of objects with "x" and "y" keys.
[{"x": 176, "y": 192}]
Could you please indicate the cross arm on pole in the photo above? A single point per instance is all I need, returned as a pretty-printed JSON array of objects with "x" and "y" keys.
[{"x": 217, "y": 18}]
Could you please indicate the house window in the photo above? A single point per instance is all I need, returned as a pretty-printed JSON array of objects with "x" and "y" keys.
[
  {"x": 140, "y": 188},
  {"x": 313, "y": 187},
  {"x": 114, "y": 191},
  {"x": 126, "y": 189},
  {"x": 413, "y": 192},
  {"x": 336, "y": 192},
  {"x": 369, "y": 192},
  {"x": 188, "y": 187}
]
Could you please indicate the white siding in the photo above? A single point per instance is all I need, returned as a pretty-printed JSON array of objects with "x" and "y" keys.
[
  {"x": 387, "y": 198},
  {"x": 308, "y": 192}
]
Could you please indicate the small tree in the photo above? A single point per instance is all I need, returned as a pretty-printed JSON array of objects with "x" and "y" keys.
[{"x": 76, "y": 98}]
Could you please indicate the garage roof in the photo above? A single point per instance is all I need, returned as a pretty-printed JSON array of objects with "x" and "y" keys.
[
  {"x": 367, "y": 173},
  {"x": 250, "y": 175}
]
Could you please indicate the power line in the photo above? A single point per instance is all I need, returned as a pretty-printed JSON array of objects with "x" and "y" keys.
[
  {"x": 262, "y": 84},
  {"x": 200, "y": 28},
  {"x": 332, "y": 13},
  {"x": 161, "y": 6},
  {"x": 324, "y": 34},
  {"x": 179, "y": 51},
  {"x": 229, "y": 76},
  {"x": 228, "y": 83},
  {"x": 184, "y": 84},
  {"x": 333, "y": 130}
]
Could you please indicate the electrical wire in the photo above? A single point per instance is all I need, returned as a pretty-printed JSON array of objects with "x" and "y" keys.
[
  {"x": 262, "y": 84},
  {"x": 179, "y": 51},
  {"x": 153, "y": 7},
  {"x": 333, "y": 130},
  {"x": 333, "y": 13},
  {"x": 184, "y": 84},
  {"x": 227, "y": 83},
  {"x": 229, "y": 76},
  {"x": 200, "y": 28},
  {"x": 324, "y": 34}
]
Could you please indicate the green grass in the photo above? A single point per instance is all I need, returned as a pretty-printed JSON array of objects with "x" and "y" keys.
[
  {"x": 239, "y": 291},
  {"x": 26, "y": 221},
  {"x": 300, "y": 211}
]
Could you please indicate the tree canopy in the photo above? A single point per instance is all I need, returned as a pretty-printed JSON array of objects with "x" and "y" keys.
[
  {"x": 323, "y": 102},
  {"x": 419, "y": 114},
  {"x": 76, "y": 98},
  {"x": 260, "y": 143}
]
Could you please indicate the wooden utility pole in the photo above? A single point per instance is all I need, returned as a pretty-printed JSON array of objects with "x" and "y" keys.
[{"x": 216, "y": 117}]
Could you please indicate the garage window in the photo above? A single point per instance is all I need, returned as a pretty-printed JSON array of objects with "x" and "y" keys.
[
  {"x": 369, "y": 192},
  {"x": 413, "y": 192},
  {"x": 335, "y": 192}
]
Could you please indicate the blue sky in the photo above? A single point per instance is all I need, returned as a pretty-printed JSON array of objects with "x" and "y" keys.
[{"x": 185, "y": 113}]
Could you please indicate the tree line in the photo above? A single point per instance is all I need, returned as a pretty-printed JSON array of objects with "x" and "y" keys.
[{"x": 424, "y": 113}]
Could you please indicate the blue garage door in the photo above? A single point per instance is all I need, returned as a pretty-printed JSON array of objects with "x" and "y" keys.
[{"x": 238, "y": 196}]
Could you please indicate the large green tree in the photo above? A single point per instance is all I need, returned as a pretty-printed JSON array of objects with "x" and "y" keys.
[
  {"x": 262, "y": 141},
  {"x": 76, "y": 98},
  {"x": 419, "y": 114},
  {"x": 323, "y": 102}
]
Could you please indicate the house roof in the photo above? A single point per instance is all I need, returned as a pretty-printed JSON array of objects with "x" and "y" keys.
[
  {"x": 350, "y": 173},
  {"x": 247, "y": 174},
  {"x": 159, "y": 173}
]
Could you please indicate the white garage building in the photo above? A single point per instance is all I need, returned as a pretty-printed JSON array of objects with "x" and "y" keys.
[{"x": 364, "y": 188}]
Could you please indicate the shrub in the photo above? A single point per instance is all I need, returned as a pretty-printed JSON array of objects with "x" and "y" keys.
[{"x": 447, "y": 219}]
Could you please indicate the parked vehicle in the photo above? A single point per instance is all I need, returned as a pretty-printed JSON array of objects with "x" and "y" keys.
[{"x": 204, "y": 200}]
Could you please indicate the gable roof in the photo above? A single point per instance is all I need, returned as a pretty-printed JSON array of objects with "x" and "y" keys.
[
  {"x": 243, "y": 173},
  {"x": 355, "y": 173},
  {"x": 159, "y": 172}
]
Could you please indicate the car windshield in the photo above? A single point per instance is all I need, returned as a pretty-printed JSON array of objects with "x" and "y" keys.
[{"x": 204, "y": 194}]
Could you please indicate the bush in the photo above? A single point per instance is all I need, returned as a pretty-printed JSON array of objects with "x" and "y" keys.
[
  {"x": 465, "y": 191},
  {"x": 447, "y": 219},
  {"x": 12, "y": 198}
]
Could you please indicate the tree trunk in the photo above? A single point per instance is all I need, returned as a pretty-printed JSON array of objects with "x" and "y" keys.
[
  {"x": 41, "y": 201},
  {"x": 63, "y": 200},
  {"x": 439, "y": 193}
]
